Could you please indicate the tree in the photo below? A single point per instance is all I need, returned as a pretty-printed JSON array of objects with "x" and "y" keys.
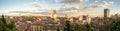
[
  {"x": 115, "y": 26},
  {"x": 89, "y": 27},
  {"x": 6, "y": 26},
  {"x": 11, "y": 26},
  {"x": 77, "y": 28},
  {"x": 67, "y": 26},
  {"x": 1, "y": 25}
]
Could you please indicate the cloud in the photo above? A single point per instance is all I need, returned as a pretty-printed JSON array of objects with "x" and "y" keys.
[
  {"x": 65, "y": 9},
  {"x": 37, "y": 4},
  {"x": 105, "y": 4},
  {"x": 90, "y": 7},
  {"x": 18, "y": 12},
  {"x": 69, "y": 8},
  {"x": 96, "y": 1},
  {"x": 36, "y": 11},
  {"x": 36, "y": 0},
  {"x": 34, "y": 4},
  {"x": 34, "y": 8},
  {"x": 75, "y": 9},
  {"x": 111, "y": 2},
  {"x": 56, "y": 1},
  {"x": 73, "y": 1}
]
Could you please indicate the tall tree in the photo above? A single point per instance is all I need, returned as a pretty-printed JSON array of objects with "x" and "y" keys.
[
  {"x": 6, "y": 26},
  {"x": 3, "y": 23}
]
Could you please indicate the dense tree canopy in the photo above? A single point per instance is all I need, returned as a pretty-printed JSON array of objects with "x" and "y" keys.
[
  {"x": 115, "y": 26},
  {"x": 6, "y": 26}
]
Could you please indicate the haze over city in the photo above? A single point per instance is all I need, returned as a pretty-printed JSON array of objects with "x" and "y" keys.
[{"x": 63, "y": 7}]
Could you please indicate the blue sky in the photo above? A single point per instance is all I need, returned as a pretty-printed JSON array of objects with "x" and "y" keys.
[{"x": 74, "y": 7}]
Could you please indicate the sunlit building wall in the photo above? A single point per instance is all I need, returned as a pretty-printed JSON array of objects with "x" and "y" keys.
[{"x": 53, "y": 14}]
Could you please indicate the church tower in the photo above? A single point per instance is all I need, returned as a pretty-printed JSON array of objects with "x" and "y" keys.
[{"x": 53, "y": 14}]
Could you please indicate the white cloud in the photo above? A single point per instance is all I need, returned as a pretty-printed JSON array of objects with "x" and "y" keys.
[
  {"x": 73, "y": 1},
  {"x": 35, "y": 11},
  {"x": 76, "y": 9},
  {"x": 36, "y": 0},
  {"x": 93, "y": 6},
  {"x": 111, "y": 2},
  {"x": 34, "y": 8},
  {"x": 56, "y": 1},
  {"x": 36, "y": 4},
  {"x": 41, "y": 5},
  {"x": 96, "y": 1},
  {"x": 104, "y": 5},
  {"x": 65, "y": 9}
]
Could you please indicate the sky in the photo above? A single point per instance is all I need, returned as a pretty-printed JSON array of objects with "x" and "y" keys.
[{"x": 63, "y": 7}]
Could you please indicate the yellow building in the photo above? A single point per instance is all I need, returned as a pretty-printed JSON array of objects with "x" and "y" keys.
[{"x": 54, "y": 16}]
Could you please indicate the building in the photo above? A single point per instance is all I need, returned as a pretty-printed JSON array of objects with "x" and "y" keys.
[
  {"x": 106, "y": 13},
  {"x": 84, "y": 19},
  {"x": 53, "y": 14},
  {"x": 37, "y": 26},
  {"x": 87, "y": 18}
]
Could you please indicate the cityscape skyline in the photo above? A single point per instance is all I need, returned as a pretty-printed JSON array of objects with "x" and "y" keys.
[
  {"x": 69, "y": 7},
  {"x": 59, "y": 15}
]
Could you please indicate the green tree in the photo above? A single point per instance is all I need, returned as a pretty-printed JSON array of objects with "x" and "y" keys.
[
  {"x": 67, "y": 26},
  {"x": 89, "y": 27},
  {"x": 1, "y": 25},
  {"x": 6, "y": 26},
  {"x": 77, "y": 28},
  {"x": 115, "y": 26}
]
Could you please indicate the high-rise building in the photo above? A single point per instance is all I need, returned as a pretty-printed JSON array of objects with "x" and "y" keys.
[{"x": 106, "y": 13}]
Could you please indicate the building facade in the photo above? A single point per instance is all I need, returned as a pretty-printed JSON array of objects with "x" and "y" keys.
[{"x": 106, "y": 13}]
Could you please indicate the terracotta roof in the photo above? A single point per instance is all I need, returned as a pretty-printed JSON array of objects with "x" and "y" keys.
[{"x": 37, "y": 23}]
